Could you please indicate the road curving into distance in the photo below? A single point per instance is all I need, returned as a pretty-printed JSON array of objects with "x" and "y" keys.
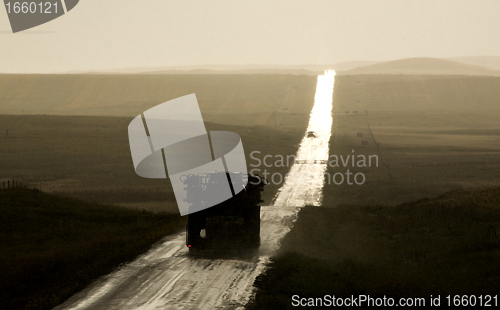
[{"x": 166, "y": 277}]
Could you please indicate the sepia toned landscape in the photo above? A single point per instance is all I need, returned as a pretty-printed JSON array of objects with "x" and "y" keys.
[
  {"x": 423, "y": 221},
  {"x": 89, "y": 156},
  {"x": 249, "y": 155}
]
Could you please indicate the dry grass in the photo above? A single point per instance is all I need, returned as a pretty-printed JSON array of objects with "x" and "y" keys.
[
  {"x": 52, "y": 246},
  {"x": 445, "y": 246},
  {"x": 433, "y": 134},
  {"x": 89, "y": 157},
  {"x": 247, "y": 99}
]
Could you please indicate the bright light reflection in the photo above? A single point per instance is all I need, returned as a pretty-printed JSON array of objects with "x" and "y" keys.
[{"x": 306, "y": 180}]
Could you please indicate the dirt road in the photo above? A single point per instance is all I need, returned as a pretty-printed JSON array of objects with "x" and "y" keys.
[{"x": 166, "y": 277}]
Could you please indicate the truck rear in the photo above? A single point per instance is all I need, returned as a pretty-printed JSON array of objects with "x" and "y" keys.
[{"x": 231, "y": 225}]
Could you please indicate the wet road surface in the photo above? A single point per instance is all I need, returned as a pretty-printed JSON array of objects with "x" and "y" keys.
[{"x": 166, "y": 277}]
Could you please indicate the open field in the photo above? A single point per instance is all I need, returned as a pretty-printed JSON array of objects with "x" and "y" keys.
[
  {"x": 53, "y": 246},
  {"x": 444, "y": 247},
  {"x": 431, "y": 134},
  {"x": 89, "y": 157},
  {"x": 249, "y": 100},
  {"x": 397, "y": 234}
]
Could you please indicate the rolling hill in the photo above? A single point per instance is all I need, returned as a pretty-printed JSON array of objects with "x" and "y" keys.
[
  {"x": 422, "y": 66},
  {"x": 491, "y": 62},
  {"x": 302, "y": 69}
]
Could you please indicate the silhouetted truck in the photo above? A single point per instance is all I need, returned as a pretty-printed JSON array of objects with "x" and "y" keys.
[{"x": 231, "y": 225}]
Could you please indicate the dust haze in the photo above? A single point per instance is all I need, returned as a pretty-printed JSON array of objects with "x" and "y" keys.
[{"x": 417, "y": 86}]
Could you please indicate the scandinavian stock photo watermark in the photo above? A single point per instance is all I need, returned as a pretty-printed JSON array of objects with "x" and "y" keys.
[{"x": 353, "y": 167}]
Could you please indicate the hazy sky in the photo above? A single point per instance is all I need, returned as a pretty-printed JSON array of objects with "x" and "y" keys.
[{"x": 112, "y": 34}]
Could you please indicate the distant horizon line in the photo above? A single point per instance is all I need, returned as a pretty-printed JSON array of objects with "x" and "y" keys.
[{"x": 231, "y": 67}]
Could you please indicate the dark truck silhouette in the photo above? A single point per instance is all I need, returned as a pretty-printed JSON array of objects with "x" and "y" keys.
[{"x": 231, "y": 225}]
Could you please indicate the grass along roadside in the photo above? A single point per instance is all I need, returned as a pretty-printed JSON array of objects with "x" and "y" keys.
[
  {"x": 447, "y": 245},
  {"x": 433, "y": 135},
  {"x": 54, "y": 246},
  {"x": 89, "y": 157}
]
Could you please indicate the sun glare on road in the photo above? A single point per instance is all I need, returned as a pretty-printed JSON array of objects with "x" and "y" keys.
[{"x": 305, "y": 180}]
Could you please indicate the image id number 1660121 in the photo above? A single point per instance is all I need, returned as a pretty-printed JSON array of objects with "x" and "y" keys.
[
  {"x": 31, "y": 7},
  {"x": 472, "y": 300}
]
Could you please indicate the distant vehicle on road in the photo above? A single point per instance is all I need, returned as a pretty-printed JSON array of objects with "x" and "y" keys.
[{"x": 311, "y": 134}]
